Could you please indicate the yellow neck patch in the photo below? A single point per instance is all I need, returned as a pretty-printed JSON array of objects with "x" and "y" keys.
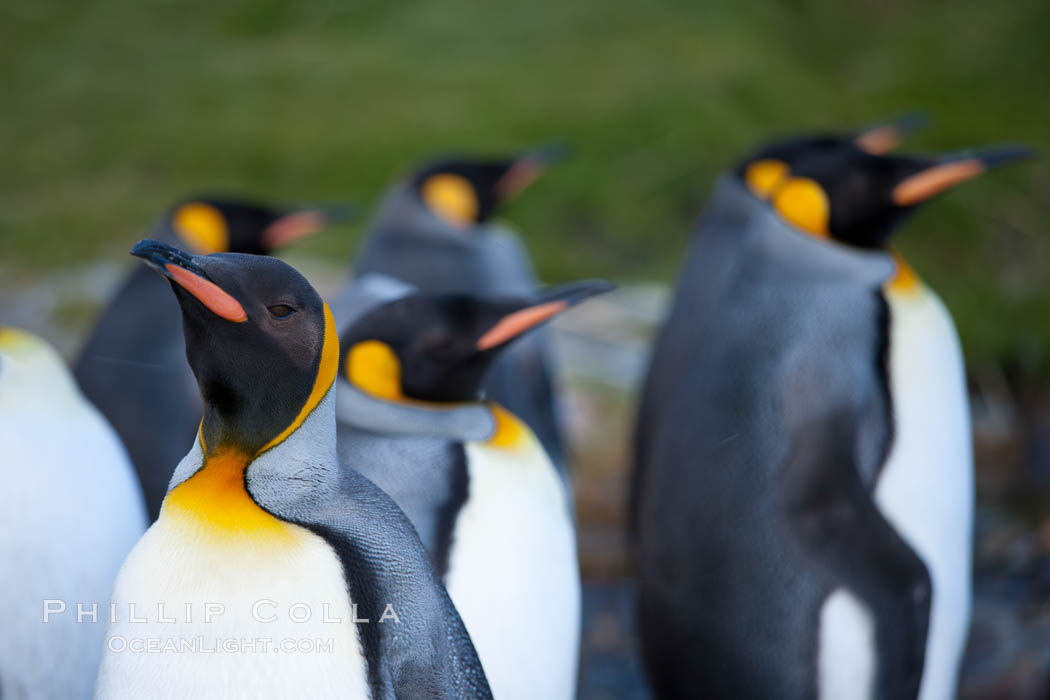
[
  {"x": 803, "y": 203},
  {"x": 202, "y": 227},
  {"x": 905, "y": 279},
  {"x": 215, "y": 499},
  {"x": 216, "y": 496},
  {"x": 452, "y": 198},
  {"x": 372, "y": 367},
  {"x": 510, "y": 431},
  {"x": 764, "y": 176},
  {"x": 16, "y": 341}
]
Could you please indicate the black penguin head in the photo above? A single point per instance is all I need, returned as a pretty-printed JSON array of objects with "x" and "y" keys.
[
  {"x": 847, "y": 188},
  {"x": 467, "y": 191},
  {"x": 260, "y": 341},
  {"x": 216, "y": 225},
  {"x": 771, "y": 164},
  {"x": 859, "y": 199},
  {"x": 437, "y": 347}
]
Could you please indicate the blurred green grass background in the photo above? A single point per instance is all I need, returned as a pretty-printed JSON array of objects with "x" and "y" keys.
[{"x": 113, "y": 109}]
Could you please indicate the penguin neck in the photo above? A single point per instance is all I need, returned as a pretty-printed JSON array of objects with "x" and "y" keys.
[
  {"x": 905, "y": 280},
  {"x": 406, "y": 212},
  {"x": 218, "y": 490},
  {"x": 477, "y": 422}
]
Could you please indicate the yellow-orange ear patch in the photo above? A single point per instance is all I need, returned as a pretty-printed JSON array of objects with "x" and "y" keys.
[
  {"x": 452, "y": 198},
  {"x": 763, "y": 176},
  {"x": 202, "y": 227},
  {"x": 803, "y": 203},
  {"x": 372, "y": 367}
]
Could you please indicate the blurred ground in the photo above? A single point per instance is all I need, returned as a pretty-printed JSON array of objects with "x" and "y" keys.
[
  {"x": 601, "y": 350},
  {"x": 114, "y": 108}
]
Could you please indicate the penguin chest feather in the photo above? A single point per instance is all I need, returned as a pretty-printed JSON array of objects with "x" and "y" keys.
[
  {"x": 926, "y": 486},
  {"x": 70, "y": 511},
  {"x": 513, "y": 574},
  {"x": 221, "y": 598}
]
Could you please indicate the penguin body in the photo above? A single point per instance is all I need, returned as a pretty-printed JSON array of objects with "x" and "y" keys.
[
  {"x": 262, "y": 520},
  {"x": 133, "y": 364},
  {"x": 473, "y": 478},
  {"x": 735, "y": 562},
  {"x": 499, "y": 528},
  {"x": 924, "y": 489},
  {"x": 804, "y": 429},
  {"x": 70, "y": 511},
  {"x": 412, "y": 241}
]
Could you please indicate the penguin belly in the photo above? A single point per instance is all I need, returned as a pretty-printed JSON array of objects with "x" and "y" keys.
[
  {"x": 283, "y": 626},
  {"x": 926, "y": 489},
  {"x": 70, "y": 511},
  {"x": 513, "y": 573}
]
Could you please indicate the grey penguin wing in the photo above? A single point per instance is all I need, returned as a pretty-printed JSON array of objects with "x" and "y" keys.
[
  {"x": 426, "y": 476},
  {"x": 833, "y": 514},
  {"x": 426, "y": 652}
]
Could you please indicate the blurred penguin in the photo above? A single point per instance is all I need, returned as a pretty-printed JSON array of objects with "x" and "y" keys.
[
  {"x": 70, "y": 510},
  {"x": 133, "y": 365},
  {"x": 803, "y": 502},
  {"x": 435, "y": 231},
  {"x": 471, "y": 476}
]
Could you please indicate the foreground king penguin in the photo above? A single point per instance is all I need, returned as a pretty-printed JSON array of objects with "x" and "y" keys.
[
  {"x": 435, "y": 232},
  {"x": 803, "y": 500},
  {"x": 133, "y": 365},
  {"x": 263, "y": 535},
  {"x": 70, "y": 510},
  {"x": 471, "y": 476}
]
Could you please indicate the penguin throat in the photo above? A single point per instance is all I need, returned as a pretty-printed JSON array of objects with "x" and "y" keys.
[
  {"x": 905, "y": 279},
  {"x": 510, "y": 431},
  {"x": 216, "y": 499}
]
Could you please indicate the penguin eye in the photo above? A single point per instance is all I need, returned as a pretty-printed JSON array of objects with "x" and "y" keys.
[{"x": 281, "y": 310}]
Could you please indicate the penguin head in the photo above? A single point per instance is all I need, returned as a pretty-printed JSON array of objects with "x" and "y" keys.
[
  {"x": 208, "y": 225},
  {"x": 849, "y": 189},
  {"x": 765, "y": 169},
  {"x": 261, "y": 343},
  {"x": 464, "y": 192},
  {"x": 859, "y": 199},
  {"x": 437, "y": 347}
]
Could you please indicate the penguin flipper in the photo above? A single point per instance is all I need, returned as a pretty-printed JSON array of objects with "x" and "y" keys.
[
  {"x": 837, "y": 521},
  {"x": 427, "y": 651}
]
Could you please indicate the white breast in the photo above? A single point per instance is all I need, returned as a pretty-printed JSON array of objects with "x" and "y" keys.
[
  {"x": 926, "y": 487},
  {"x": 70, "y": 510},
  {"x": 262, "y": 589},
  {"x": 846, "y": 657},
  {"x": 513, "y": 573}
]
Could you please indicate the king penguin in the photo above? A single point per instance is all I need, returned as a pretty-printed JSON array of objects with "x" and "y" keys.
[
  {"x": 70, "y": 511},
  {"x": 435, "y": 232},
  {"x": 804, "y": 490},
  {"x": 133, "y": 365},
  {"x": 273, "y": 571},
  {"x": 470, "y": 475}
]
